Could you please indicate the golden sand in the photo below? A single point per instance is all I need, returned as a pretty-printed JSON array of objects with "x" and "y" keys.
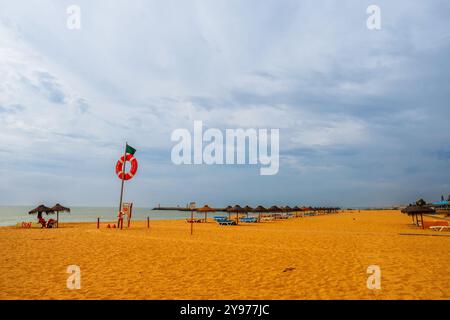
[{"x": 322, "y": 257}]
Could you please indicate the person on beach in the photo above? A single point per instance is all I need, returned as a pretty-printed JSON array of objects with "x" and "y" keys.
[
  {"x": 42, "y": 222},
  {"x": 120, "y": 222}
]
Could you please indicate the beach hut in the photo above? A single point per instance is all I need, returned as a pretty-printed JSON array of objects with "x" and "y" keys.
[
  {"x": 58, "y": 208},
  {"x": 415, "y": 211},
  {"x": 39, "y": 210},
  {"x": 259, "y": 210},
  {"x": 205, "y": 209},
  {"x": 237, "y": 209}
]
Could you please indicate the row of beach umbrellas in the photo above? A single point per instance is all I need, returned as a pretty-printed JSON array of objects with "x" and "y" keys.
[
  {"x": 246, "y": 209},
  {"x": 415, "y": 211},
  {"x": 57, "y": 208},
  {"x": 260, "y": 209}
]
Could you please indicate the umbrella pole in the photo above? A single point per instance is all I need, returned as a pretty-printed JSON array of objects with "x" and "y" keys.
[
  {"x": 206, "y": 214},
  {"x": 237, "y": 217},
  {"x": 192, "y": 221},
  {"x": 421, "y": 218},
  {"x": 57, "y": 219}
]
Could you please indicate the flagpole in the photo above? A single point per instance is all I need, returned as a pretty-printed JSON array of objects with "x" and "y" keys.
[{"x": 123, "y": 179}]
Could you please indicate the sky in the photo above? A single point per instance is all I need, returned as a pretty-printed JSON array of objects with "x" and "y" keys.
[{"x": 363, "y": 114}]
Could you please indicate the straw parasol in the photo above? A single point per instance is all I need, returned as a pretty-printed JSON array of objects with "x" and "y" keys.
[
  {"x": 287, "y": 209},
  {"x": 415, "y": 211},
  {"x": 274, "y": 209},
  {"x": 206, "y": 209},
  {"x": 248, "y": 209},
  {"x": 237, "y": 209},
  {"x": 296, "y": 209},
  {"x": 259, "y": 210},
  {"x": 58, "y": 208},
  {"x": 39, "y": 210}
]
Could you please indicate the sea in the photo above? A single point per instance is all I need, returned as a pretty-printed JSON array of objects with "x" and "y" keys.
[{"x": 10, "y": 215}]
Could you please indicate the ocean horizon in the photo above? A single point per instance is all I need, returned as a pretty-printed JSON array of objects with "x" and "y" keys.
[{"x": 10, "y": 215}]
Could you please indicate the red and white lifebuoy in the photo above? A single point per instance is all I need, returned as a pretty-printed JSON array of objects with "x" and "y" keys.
[{"x": 133, "y": 170}]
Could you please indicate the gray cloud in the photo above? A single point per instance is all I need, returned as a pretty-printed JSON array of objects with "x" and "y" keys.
[{"x": 362, "y": 114}]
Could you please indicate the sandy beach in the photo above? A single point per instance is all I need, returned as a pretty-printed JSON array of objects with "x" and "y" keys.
[{"x": 322, "y": 257}]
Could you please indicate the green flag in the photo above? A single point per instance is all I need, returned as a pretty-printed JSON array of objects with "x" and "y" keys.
[{"x": 130, "y": 149}]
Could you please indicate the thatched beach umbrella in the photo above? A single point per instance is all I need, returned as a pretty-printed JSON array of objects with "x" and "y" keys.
[
  {"x": 259, "y": 210},
  {"x": 59, "y": 208},
  {"x": 287, "y": 209},
  {"x": 237, "y": 209},
  {"x": 39, "y": 210},
  {"x": 416, "y": 211},
  {"x": 206, "y": 209},
  {"x": 296, "y": 209},
  {"x": 274, "y": 209},
  {"x": 248, "y": 209},
  {"x": 227, "y": 210}
]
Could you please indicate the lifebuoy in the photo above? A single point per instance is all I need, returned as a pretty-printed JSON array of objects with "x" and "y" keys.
[{"x": 133, "y": 170}]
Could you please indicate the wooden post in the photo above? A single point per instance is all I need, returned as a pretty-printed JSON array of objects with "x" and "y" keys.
[
  {"x": 206, "y": 215},
  {"x": 148, "y": 222},
  {"x": 237, "y": 217},
  {"x": 421, "y": 218},
  {"x": 98, "y": 223},
  {"x": 57, "y": 219},
  {"x": 192, "y": 222},
  {"x": 123, "y": 180}
]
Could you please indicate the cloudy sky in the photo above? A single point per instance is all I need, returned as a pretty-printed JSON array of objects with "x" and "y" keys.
[{"x": 363, "y": 114}]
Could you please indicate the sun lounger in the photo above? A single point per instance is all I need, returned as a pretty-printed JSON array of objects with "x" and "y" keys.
[
  {"x": 266, "y": 218},
  {"x": 436, "y": 223},
  {"x": 440, "y": 228},
  {"x": 220, "y": 218},
  {"x": 249, "y": 220},
  {"x": 226, "y": 222},
  {"x": 193, "y": 220}
]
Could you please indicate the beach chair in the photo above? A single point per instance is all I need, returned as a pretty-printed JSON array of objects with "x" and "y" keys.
[
  {"x": 51, "y": 223},
  {"x": 249, "y": 220},
  {"x": 220, "y": 218},
  {"x": 440, "y": 228},
  {"x": 226, "y": 222}
]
